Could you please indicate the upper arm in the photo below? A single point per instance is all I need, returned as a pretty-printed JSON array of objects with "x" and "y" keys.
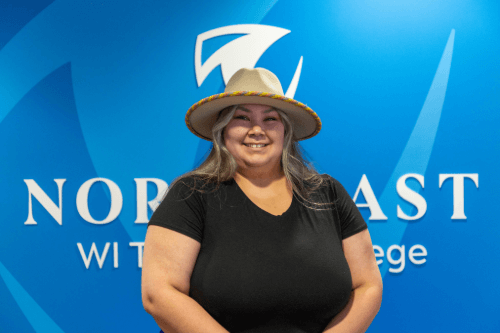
[
  {"x": 358, "y": 250},
  {"x": 356, "y": 241},
  {"x": 169, "y": 259}
]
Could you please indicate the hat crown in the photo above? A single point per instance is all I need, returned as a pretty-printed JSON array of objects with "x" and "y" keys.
[{"x": 254, "y": 79}]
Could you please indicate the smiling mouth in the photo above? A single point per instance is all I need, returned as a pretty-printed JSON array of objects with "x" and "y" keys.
[{"x": 260, "y": 145}]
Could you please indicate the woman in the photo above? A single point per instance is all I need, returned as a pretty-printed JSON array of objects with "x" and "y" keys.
[{"x": 255, "y": 240}]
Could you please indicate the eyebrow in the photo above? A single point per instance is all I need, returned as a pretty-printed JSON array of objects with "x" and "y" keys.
[{"x": 246, "y": 110}]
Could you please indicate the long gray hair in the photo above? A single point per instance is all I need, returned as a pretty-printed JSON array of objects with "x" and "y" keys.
[{"x": 220, "y": 165}]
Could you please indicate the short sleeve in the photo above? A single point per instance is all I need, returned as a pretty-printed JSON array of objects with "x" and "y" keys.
[
  {"x": 351, "y": 221},
  {"x": 182, "y": 210}
]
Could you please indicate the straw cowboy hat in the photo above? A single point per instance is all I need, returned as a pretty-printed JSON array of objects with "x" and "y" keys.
[{"x": 252, "y": 86}]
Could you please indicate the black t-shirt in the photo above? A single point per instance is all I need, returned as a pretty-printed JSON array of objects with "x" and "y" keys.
[{"x": 261, "y": 273}]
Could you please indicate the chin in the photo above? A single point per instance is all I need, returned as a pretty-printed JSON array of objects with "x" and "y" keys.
[
  {"x": 254, "y": 164},
  {"x": 257, "y": 163}
]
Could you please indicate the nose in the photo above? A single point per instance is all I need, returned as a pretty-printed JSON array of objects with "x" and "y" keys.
[{"x": 256, "y": 130}]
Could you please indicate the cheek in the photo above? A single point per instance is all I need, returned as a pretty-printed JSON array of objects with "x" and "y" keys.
[
  {"x": 280, "y": 133},
  {"x": 231, "y": 136}
]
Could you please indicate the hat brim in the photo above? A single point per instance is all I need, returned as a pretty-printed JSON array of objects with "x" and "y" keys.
[{"x": 201, "y": 117}]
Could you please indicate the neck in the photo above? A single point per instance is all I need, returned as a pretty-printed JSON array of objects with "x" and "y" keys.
[
  {"x": 259, "y": 177},
  {"x": 260, "y": 174}
]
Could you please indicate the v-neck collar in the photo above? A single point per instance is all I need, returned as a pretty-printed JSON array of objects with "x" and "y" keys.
[{"x": 257, "y": 208}]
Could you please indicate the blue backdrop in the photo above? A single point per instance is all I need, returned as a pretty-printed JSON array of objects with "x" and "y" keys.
[{"x": 93, "y": 96}]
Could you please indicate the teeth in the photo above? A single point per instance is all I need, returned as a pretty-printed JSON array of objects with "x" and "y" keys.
[{"x": 257, "y": 146}]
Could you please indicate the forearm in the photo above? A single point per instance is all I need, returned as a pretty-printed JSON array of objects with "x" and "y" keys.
[
  {"x": 359, "y": 312},
  {"x": 176, "y": 312}
]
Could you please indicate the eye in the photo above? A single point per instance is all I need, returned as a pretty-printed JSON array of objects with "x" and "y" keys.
[
  {"x": 270, "y": 118},
  {"x": 241, "y": 117}
]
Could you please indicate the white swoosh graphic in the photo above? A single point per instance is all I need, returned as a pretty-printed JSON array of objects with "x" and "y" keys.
[
  {"x": 416, "y": 154},
  {"x": 244, "y": 51}
]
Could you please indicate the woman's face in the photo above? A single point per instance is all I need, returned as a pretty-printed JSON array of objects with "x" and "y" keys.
[{"x": 255, "y": 137}]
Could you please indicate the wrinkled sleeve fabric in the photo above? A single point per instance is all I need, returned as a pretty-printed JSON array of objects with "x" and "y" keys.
[
  {"x": 351, "y": 221},
  {"x": 181, "y": 210}
]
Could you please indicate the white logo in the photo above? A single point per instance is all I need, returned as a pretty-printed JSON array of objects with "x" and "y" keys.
[{"x": 241, "y": 52}]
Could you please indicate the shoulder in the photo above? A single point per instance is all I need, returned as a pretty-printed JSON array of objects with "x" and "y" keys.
[
  {"x": 181, "y": 197},
  {"x": 328, "y": 182},
  {"x": 332, "y": 186},
  {"x": 333, "y": 181},
  {"x": 183, "y": 188},
  {"x": 320, "y": 192},
  {"x": 187, "y": 182},
  {"x": 188, "y": 185}
]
